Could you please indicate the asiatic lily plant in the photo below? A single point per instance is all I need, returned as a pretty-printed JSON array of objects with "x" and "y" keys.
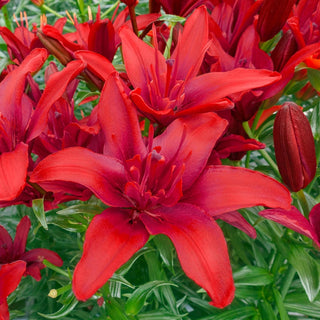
[{"x": 145, "y": 153}]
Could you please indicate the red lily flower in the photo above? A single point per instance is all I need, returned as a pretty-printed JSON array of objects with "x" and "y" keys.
[
  {"x": 3, "y": 2},
  {"x": 165, "y": 90},
  {"x": 15, "y": 262},
  {"x": 10, "y": 276},
  {"x": 16, "y": 250},
  {"x": 165, "y": 187}
]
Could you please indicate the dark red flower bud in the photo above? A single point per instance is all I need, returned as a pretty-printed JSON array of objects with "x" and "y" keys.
[{"x": 294, "y": 147}]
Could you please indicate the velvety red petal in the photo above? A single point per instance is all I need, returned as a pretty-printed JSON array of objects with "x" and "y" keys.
[
  {"x": 4, "y": 311},
  {"x": 314, "y": 218},
  {"x": 190, "y": 50},
  {"x": 119, "y": 122},
  {"x": 96, "y": 63},
  {"x": 5, "y": 245},
  {"x": 110, "y": 241},
  {"x": 20, "y": 240},
  {"x": 34, "y": 259},
  {"x": 10, "y": 276},
  {"x": 222, "y": 189},
  {"x": 190, "y": 141},
  {"x": 139, "y": 58},
  {"x": 237, "y": 220},
  {"x": 55, "y": 87},
  {"x": 292, "y": 219},
  {"x": 201, "y": 248},
  {"x": 103, "y": 175},
  {"x": 13, "y": 172},
  {"x": 12, "y": 87},
  {"x": 207, "y": 88}
]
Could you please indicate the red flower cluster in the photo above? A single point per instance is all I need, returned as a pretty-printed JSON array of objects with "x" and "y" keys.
[{"x": 195, "y": 96}]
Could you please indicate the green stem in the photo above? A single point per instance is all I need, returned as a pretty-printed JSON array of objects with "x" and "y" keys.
[
  {"x": 264, "y": 153},
  {"x": 105, "y": 14},
  {"x": 257, "y": 118},
  {"x": 303, "y": 202},
  {"x": 169, "y": 42},
  {"x": 54, "y": 293},
  {"x": 6, "y": 17},
  {"x": 54, "y": 268},
  {"x": 247, "y": 163}
]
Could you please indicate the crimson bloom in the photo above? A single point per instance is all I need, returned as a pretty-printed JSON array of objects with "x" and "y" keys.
[
  {"x": 10, "y": 276},
  {"x": 294, "y": 147},
  {"x": 165, "y": 187},
  {"x": 16, "y": 262},
  {"x": 167, "y": 89}
]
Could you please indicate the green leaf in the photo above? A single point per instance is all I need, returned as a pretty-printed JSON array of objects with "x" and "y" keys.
[
  {"x": 38, "y": 209},
  {"x": 252, "y": 276},
  {"x": 307, "y": 269},
  {"x": 140, "y": 295},
  {"x": 171, "y": 18},
  {"x": 65, "y": 310},
  {"x": 81, "y": 208},
  {"x": 158, "y": 315},
  {"x": 279, "y": 301},
  {"x": 115, "y": 310},
  {"x": 236, "y": 313},
  {"x": 298, "y": 302},
  {"x": 314, "y": 78},
  {"x": 266, "y": 311}
]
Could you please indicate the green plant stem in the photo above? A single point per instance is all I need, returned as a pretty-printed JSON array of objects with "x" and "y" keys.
[
  {"x": 105, "y": 14},
  {"x": 54, "y": 268},
  {"x": 6, "y": 17},
  {"x": 264, "y": 153},
  {"x": 303, "y": 201},
  {"x": 257, "y": 118},
  {"x": 169, "y": 42}
]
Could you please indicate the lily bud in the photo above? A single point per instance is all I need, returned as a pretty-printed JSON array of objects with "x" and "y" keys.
[
  {"x": 294, "y": 147},
  {"x": 38, "y": 3}
]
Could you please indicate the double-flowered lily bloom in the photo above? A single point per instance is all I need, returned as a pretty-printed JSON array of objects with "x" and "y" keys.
[
  {"x": 164, "y": 186},
  {"x": 16, "y": 262},
  {"x": 166, "y": 89}
]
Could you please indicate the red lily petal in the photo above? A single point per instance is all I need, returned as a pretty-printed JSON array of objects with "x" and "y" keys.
[
  {"x": 190, "y": 141},
  {"x": 292, "y": 219},
  {"x": 13, "y": 172},
  {"x": 54, "y": 89},
  {"x": 103, "y": 175},
  {"x": 237, "y": 220},
  {"x": 10, "y": 276},
  {"x": 4, "y": 309},
  {"x": 34, "y": 260},
  {"x": 119, "y": 122},
  {"x": 288, "y": 70},
  {"x": 12, "y": 87},
  {"x": 139, "y": 57},
  {"x": 96, "y": 63},
  {"x": 20, "y": 240},
  {"x": 5, "y": 245},
  {"x": 201, "y": 248},
  {"x": 223, "y": 189},
  {"x": 110, "y": 241},
  {"x": 314, "y": 218},
  {"x": 210, "y": 87},
  {"x": 190, "y": 50}
]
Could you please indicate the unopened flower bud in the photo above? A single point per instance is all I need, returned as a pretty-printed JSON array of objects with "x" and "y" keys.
[
  {"x": 38, "y": 3},
  {"x": 55, "y": 48},
  {"x": 294, "y": 147}
]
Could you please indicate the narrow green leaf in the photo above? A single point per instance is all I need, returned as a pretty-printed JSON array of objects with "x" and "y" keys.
[
  {"x": 307, "y": 269},
  {"x": 267, "y": 313},
  {"x": 158, "y": 315},
  {"x": 38, "y": 209},
  {"x": 65, "y": 310},
  {"x": 252, "y": 276},
  {"x": 236, "y": 313},
  {"x": 171, "y": 18},
  {"x": 140, "y": 295},
  {"x": 115, "y": 310},
  {"x": 281, "y": 308},
  {"x": 81, "y": 208}
]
